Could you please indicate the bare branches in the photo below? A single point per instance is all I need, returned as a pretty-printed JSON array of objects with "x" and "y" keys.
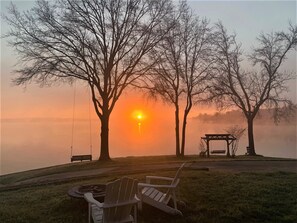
[
  {"x": 273, "y": 48},
  {"x": 230, "y": 83},
  {"x": 252, "y": 90},
  {"x": 182, "y": 64},
  {"x": 270, "y": 54},
  {"x": 101, "y": 42},
  {"x": 184, "y": 58}
]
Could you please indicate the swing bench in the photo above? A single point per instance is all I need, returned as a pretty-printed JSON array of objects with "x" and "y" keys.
[
  {"x": 218, "y": 151},
  {"x": 81, "y": 157}
]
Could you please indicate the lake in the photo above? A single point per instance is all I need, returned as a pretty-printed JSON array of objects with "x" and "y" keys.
[{"x": 35, "y": 143}]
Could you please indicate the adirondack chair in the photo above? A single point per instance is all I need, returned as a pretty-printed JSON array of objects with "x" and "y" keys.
[
  {"x": 118, "y": 203},
  {"x": 159, "y": 195}
]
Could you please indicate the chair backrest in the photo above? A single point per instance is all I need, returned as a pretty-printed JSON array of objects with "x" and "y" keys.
[
  {"x": 176, "y": 177},
  {"x": 119, "y": 199},
  {"x": 174, "y": 183}
]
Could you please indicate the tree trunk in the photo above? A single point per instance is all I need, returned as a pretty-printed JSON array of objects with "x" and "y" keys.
[
  {"x": 251, "y": 151},
  {"x": 177, "y": 140},
  {"x": 183, "y": 144},
  {"x": 104, "y": 152}
]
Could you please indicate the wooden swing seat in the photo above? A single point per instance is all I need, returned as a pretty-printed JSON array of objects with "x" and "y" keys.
[
  {"x": 81, "y": 158},
  {"x": 219, "y": 151}
]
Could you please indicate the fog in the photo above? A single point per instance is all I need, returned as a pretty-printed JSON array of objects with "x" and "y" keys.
[{"x": 34, "y": 143}]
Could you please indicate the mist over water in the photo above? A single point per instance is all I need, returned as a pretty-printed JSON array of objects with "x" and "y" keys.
[{"x": 35, "y": 143}]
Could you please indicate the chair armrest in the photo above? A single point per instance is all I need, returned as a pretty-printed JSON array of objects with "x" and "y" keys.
[
  {"x": 90, "y": 199},
  {"x": 141, "y": 185},
  {"x": 148, "y": 178}
]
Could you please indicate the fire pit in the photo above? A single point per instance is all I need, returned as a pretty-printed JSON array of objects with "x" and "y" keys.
[{"x": 98, "y": 190}]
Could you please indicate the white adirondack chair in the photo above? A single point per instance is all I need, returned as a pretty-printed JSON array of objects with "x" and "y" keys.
[
  {"x": 118, "y": 203},
  {"x": 155, "y": 195}
]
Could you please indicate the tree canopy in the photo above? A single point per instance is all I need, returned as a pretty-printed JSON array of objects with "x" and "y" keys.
[{"x": 99, "y": 42}]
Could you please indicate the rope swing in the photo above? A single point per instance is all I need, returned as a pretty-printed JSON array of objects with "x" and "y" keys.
[{"x": 82, "y": 156}]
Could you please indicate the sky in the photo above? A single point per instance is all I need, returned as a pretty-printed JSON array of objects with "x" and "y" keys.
[{"x": 246, "y": 18}]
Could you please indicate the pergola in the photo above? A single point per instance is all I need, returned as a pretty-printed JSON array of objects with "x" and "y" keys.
[{"x": 227, "y": 137}]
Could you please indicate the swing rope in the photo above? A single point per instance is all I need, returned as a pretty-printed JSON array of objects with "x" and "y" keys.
[
  {"x": 73, "y": 117},
  {"x": 90, "y": 124},
  {"x": 73, "y": 120}
]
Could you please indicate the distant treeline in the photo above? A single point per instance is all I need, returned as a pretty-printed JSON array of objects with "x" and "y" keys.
[{"x": 237, "y": 117}]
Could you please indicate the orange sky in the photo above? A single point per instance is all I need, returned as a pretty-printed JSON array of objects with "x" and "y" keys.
[{"x": 57, "y": 101}]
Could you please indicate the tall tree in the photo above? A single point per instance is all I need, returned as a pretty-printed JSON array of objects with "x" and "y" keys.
[
  {"x": 99, "y": 42},
  {"x": 182, "y": 67},
  {"x": 252, "y": 90}
]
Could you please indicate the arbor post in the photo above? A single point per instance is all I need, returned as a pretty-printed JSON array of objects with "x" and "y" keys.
[{"x": 228, "y": 149}]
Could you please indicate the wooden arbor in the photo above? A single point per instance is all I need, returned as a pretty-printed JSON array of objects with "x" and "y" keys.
[{"x": 227, "y": 137}]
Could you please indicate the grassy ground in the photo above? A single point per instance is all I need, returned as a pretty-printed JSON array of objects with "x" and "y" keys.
[
  {"x": 210, "y": 197},
  {"x": 117, "y": 162}
]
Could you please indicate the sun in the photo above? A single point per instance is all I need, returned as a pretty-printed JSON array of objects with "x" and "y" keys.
[{"x": 139, "y": 116}]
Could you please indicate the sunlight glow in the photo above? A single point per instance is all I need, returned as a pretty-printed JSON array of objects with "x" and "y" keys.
[{"x": 138, "y": 115}]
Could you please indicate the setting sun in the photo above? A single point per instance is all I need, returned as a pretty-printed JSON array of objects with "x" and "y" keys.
[{"x": 138, "y": 115}]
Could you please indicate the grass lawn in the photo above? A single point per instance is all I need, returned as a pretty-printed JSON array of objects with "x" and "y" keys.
[{"x": 209, "y": 196}]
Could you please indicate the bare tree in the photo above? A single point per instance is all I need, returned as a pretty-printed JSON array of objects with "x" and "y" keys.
[
  {"x": 99, "y": 42},
  {"x": 237, "y": 132},
  {"x": 251, "y": 90},
  {"x": 182, "y": 67}
]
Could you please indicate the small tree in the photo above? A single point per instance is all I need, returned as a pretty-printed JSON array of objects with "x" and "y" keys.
[
  {"x": 99, "y": 42},
  {"x": 202, "y": 148},
  {"x": 237, "y": 132},
  {"x": 252, "y": 90}
]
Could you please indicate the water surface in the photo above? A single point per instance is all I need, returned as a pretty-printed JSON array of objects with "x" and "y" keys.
[{"x": 34, "y": 143}]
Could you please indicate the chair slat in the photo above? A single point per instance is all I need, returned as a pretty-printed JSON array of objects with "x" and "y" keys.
[
  {"x": 154, "y": 193},
  {"x": 149, "y": 191},
  {"x": 123, "y": 196},
  {"x": 159, "y": 196}
]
